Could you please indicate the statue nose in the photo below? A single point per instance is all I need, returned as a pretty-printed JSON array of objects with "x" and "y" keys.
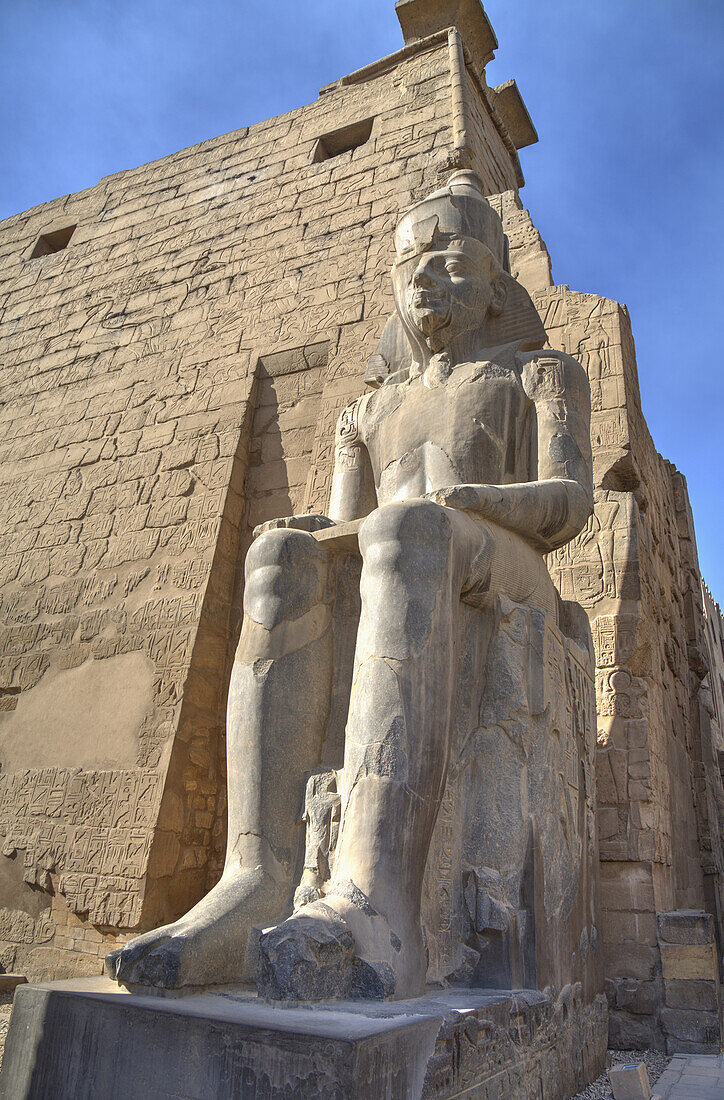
[{"x": 422, "y": 277}]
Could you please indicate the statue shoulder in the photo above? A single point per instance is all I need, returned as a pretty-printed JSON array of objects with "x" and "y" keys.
[{"x": 548, "y": 374}]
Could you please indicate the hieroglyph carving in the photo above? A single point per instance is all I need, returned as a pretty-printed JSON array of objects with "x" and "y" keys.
[{"x": 83, "y": 826}]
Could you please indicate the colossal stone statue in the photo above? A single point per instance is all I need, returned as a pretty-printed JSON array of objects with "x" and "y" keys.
[{"x": 456, "y": 475}]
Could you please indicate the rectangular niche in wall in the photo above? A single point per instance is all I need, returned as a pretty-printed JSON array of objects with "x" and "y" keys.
[
  {"x": 343, "y": 140},
  {"x": 48, "y": 243},
  {"x": 288, "y": 402}
]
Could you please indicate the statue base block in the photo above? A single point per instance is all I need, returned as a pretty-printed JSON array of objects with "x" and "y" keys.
[{"x": 89, "y": 1038}]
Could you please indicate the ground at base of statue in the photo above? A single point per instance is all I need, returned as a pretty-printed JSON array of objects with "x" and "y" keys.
[{"x": 88, "y": 1038}]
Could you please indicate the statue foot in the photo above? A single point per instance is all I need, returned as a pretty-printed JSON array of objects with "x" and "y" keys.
[
  {"x": 212, "y": 944},
  {"x": 337, "y": 949}
]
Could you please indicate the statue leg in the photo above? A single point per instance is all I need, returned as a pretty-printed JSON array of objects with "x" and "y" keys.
[
  {"x": 365, "y": 935},
  {"x": 277, "y": 712}
]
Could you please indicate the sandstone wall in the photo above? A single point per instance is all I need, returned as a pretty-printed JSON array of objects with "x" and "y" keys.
[
  {"x": 710, "y": 713},
  {"x": 714, "y": 657},
  {"x": 634, "y": 569},
  {"x": 170, "y": 379}
]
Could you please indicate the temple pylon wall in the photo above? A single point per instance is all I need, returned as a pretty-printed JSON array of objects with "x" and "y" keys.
[{"x": 171, "y": 377}]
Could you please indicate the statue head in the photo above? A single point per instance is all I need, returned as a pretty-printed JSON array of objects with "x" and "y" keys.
[{"x": 448, "y": 276}]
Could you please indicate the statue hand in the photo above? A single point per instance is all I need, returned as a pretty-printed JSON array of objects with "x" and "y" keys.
[
  {"x": 309, "y": 521},
  {"x": 470, "y": 498}
]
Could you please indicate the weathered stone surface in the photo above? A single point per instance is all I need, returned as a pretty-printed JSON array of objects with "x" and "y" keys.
[
  {"x": 632, "y": 1031},
  {"x": 701, "y": 1028},
  {"x": 690, "y": 967},
  {"x": 636, "y": 961},
  {"x": 686, "y": 927},
  {"x": 171, "y": 378},
  {"x": 303, "y": 955},
  {"x": 689, "y": 962},
  {"x": 643, "y": 998},
  {"x": 522, "y": 1045},
  {"x": 466, "y": 462},
  {"x": 421, "y": 18},
  {"x": 150, "y": 419},
  {"x": 9, "y": 982},
  {"x": 698, "y": 995},
  {"x": 630, "y": 1082},
  {"x": 659, "y": 793}
]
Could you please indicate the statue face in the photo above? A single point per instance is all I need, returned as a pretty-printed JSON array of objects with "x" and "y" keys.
[{"x": 445, "y": 292}]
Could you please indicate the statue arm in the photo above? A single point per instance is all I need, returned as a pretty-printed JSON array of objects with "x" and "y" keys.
[
  {"x": 550, "y": 511},
  {"x": 559, "y": 388},
  {"x": 546, "y": 514},
  {"x": 353, "y": 489}
]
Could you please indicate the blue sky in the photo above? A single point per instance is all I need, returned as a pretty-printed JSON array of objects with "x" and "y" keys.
[{"x": 626, "y": 184}]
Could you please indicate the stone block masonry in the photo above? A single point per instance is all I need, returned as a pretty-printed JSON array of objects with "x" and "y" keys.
[
  {"x": 176, "y": 344},
  {"x": 171, "y": 376}
]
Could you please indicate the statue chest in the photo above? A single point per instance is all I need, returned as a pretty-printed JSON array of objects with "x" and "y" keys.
[{"x": 474, "y": 426}]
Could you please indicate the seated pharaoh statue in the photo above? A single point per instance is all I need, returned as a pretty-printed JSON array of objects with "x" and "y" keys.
[{"x": 453, "y": 478}]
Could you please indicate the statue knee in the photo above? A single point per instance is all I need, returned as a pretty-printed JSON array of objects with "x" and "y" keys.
[
  {"x": 285, "y": 576},
  {"x": 405, "y": 534}
]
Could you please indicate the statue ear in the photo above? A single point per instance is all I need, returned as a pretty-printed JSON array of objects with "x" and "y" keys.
[{"x": 500, "y": 296}]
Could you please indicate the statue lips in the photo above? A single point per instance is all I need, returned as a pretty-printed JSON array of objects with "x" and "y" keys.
[
  {"x": 423, "y": 300},
  {"x": 428, "y": 312}
]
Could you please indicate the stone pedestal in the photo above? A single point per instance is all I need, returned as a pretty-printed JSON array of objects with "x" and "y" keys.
[{"x": 89, "y": 1039}]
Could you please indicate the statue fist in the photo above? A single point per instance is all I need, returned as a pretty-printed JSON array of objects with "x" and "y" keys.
[
  {"x": 465, "y": 497},
  {"x": 309, "y": 521}
]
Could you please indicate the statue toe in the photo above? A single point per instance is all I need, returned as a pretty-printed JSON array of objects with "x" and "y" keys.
[
  {"x": 161, "y": 966},
  {"x": 123, "y": 965},
  {"x": 307, "y": 957},
  {"x": 311, "y": 957}
]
